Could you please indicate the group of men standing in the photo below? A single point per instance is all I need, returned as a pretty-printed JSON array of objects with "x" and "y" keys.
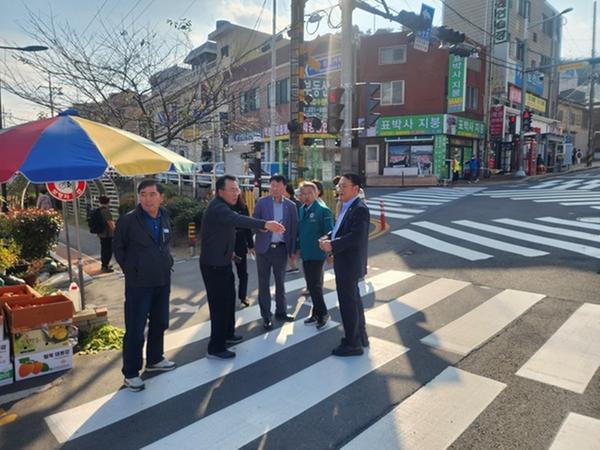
[{"x": 282, "y": 231}]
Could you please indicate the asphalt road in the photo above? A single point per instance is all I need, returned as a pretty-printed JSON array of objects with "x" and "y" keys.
[{"x": 482, "y": 336}]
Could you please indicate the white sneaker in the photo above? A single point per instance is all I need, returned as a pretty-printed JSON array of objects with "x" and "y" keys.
[
  {"x": 134, "y": 384},
  {"x": 163, "y": 366}
]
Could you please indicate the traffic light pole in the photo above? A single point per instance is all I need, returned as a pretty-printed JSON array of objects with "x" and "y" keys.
[
  {"x": 521, "y": 151},
  {"x": 347, "y": 84}
]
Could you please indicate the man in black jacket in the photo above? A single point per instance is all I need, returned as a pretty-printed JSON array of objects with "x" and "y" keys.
[
  {"x": 141, "y": 246},
  {"x": 217, "y": 238}
]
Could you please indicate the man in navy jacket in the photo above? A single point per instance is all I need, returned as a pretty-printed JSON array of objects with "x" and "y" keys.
[
  {"x": 141, "y": 246},
  {"x": 217, "y": 237},
  {"x": 349, "y": 245},
  {"x": 274, "y": 249}
]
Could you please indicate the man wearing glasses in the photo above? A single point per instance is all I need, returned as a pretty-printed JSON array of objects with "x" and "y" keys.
[
  {"x": 348, "y": 243},
  {"x": 217, "y": 237}
]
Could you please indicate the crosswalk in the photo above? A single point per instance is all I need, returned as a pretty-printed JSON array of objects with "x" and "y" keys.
[
  {"x": 409, "y": 203},
  {"x": 561, "y": 191},
  {"x": 433, "y": 415},
  {"x": 472, "y": 240}
]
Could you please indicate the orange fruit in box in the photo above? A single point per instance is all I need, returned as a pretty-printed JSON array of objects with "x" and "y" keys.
[
  {"x": 25, "y": 369},
  {"x": 37, "y": 367}
]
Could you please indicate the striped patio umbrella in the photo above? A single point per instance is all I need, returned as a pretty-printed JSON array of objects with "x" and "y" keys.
[{"x": 68, "y": 147}]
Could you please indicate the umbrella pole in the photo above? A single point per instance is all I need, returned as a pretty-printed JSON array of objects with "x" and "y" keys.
[
  {"x": 78, "y": 232},
  {"x": 64, "y": 212}
]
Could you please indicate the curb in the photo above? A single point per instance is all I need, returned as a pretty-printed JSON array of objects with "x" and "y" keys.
[{"x": 379, "y": 230}]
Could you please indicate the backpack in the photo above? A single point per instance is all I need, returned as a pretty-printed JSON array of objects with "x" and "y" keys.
[{"x": 96, "y": 221}]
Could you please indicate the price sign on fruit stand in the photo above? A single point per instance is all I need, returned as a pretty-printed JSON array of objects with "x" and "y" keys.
[{"x": 63, "y": 190}]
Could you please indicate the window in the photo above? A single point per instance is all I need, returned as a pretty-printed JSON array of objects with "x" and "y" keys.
[
  {"x": 392, "y": 92},
  {"x": 372, "y": 153},
  {"x": 547, "y": 25},
  {"x": 560, "y": 115},
  {"x": 534, "y": 37},
  {"x": 546, "y": 60},
  {"x": 282, "y": 92},
  {"x": 225, "y": 51},
  {"x": 524, "y": 8},
  {"x": 472, "y": 98},
  {"x": 519, "y": 50},
  {"x": 250, "y": 101},
  {"x": 392, "y": 55}
]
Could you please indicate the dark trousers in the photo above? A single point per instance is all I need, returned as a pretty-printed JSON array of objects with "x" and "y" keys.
[
  {"x": 220, "y": 291},
  {"x": 273, "y": 259},
  {"x": 241, "y": 267},
  {"x": 106, "y": 250},
  {"x": 313, "y": 273},
  {"x": 351, "y": 308},
  {"x": 144, "y": 304}
]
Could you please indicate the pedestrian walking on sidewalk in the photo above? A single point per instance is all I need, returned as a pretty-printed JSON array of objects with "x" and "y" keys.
[
  {"x": 141, "y": 244},
  {"x": 217, "y": 245},
  {"x": 348, "y": 244},
  {"x": 474, "y": 169},
  {"x": 274, "y": 249},
  {"x": 107, "y": 234},
  {"x": 315, "y": 221}
]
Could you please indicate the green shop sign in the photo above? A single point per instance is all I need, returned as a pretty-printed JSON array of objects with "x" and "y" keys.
[
  {"x": 465, "y": 127},
  {"x": 410, "y": 125}
]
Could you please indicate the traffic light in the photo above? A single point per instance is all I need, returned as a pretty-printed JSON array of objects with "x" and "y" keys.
[
  {"x": 334, "y": 110},
  {"x": 464, "y": 50},
  {"x": 526, "y": 120},
  {"x": 448, "y": 35},
  {"x": 415, "y": 22},
  {"x": 512, "y": 124},
  {"x": 372, "y": 94}
]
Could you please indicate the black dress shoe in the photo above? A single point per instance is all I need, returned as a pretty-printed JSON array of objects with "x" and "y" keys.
[
  {"x": 322, "y": 321},
  {"x": 284, "y": 317},
  {"x": 311, "y": 320},
  {"x": 267, "y": 324},
  {"x": 364, "y": 340},
  {"x": 234, "y": 339},
  {"x": 347, "y": 350},
  {"x": 225, "y": 354},
  {"x": 245, "y": 301}
]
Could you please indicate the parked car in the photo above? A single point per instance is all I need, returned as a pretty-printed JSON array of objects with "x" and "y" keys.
[{"x": 209, "y": 167}]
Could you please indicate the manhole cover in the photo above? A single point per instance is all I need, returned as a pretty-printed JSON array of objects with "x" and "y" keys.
[{"x": 589, "y": 219}]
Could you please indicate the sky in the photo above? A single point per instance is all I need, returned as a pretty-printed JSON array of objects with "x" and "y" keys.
[{"x": 84, "y": 16}]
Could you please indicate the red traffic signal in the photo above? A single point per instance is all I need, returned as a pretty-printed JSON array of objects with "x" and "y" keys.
[
  {"x": 512, "y": 124},
  {"x": 334, "y": 110},
  {"x": 526, "y": 120}
]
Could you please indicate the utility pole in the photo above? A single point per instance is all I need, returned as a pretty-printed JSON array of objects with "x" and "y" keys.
[
  {"x": 590, "y": 152},
  {"x": 347, "y": 83},
  {"x": 296, "y": 123},
  {"x": 273, "y": 90}
]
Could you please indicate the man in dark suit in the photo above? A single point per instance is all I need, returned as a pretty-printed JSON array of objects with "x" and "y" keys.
[
  {"x": 141, "y": 245},
  {"x": 274, "y": 249},
  {"x": 217, "y": 237},
  {"x": 348, "y": 245}
]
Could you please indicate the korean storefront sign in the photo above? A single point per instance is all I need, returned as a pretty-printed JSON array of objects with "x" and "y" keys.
[
  {"x": 497, "y": 120},
  {"x": 501, "y": 14},
  {"x": 410, "y": 125},
  {"x": 457, "y": 82},
  {"x": 466, "y": 127},
  {"x": 531, "y": 101},
  {"x": 317, "y": 88}
]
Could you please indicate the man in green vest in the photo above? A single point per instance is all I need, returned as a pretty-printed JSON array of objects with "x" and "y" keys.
[{"x": 314, "y": 221}]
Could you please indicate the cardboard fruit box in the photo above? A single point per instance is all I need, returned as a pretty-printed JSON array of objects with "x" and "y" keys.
[
  {"x": 4, "y": 353},
  {"x": 43, "y": 363},
  {"x": 23, "y": 314},
  {"x": 2, "y": 321},
  {"x": 48, "y": 336}
]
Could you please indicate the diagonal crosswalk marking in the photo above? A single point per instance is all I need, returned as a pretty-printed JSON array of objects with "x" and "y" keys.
[
  {"x": 571, "y": 223},
  {"x": 569, "y": 184},
  {"x": 546, "y": 184},
  {"x": 570, "y": 198},
  {"x": 586, "y": 250},
  {"x": 484, "y": 241},
  {"x": 399, "y": 309},
  {"x": 551, "y": 230},
  {"x": 441, "y": 246},
  {"x": 473, "y": 329},
  {"x": 578, "y": 432},
  {"x": 376, "y": 212},
  {"x": 571, "y": 357},
  {"x": 590, "y": 203},
  {"x": 421, "y": 202},
  {"x": 111, "y": 408},
  {"x": 434, "y": 416},
  {"x": 271, "y": 407},
  {"x": 392, "y": 207}
]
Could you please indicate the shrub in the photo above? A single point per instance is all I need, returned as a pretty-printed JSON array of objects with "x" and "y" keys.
[
  {"x": 9, "y": 254},
  {"x": 179, "y": 204},
  {"x": 180, "y": 223},
  {"x": 35, "y": 231},
  {"x": 126, "y": 203}
]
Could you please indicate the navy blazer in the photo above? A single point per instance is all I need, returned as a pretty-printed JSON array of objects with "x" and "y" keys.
[
  {"x": 350, "y": 245},
  {"x": 264, "y": 210}
]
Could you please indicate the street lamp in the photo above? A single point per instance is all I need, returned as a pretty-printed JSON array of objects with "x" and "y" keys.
[
  {"x": 521, "y": 155},
  {"x": 29, "y": 48}
]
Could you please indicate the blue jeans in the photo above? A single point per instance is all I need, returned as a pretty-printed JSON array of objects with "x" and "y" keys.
[{"x": 144, "y": 304}]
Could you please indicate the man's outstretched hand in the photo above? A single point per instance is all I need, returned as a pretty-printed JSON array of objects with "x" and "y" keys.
[{"x": 274, "y": 227}]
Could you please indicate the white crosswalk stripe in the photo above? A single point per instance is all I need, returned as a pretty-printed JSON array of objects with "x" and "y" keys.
[
  {"x": 578, "y": 431},
  {"x": 408, "y": 203},
  {"x": 434, "y": 415},
  {"x": 464, "y": 242}
]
